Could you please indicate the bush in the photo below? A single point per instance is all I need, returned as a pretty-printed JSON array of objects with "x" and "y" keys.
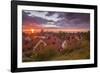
[{"x": 45, "y": 54}]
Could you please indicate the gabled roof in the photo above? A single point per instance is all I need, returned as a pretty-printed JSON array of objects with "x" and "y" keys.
[{"x": 39, "y": 42}]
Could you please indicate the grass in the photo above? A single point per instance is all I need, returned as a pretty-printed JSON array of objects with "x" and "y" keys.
[
  {"x": 77, "y": 50},
  {"x": 50, "y": 54}
]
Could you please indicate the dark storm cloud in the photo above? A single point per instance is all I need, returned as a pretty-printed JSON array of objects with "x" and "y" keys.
[
  {"x": 50, "y": 13},
  {"x": 74, "y": 20},
  {"x": 79, "y": 17},
  {"x": 62, "y": 19}
]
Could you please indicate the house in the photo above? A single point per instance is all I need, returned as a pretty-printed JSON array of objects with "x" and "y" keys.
[
  {"x": 64, "y": 44},
  {"x": 40, "y": 44}
]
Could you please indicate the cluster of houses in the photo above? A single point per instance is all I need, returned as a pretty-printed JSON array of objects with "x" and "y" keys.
[{"x": 43, "y": 40}]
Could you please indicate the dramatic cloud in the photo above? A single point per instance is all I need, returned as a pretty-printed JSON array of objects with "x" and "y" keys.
[
  {"x": 44, "y": 15},
  {"x": 56, "y": 19}
]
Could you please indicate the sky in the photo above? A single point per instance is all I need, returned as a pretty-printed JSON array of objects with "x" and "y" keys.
[{"x": 49, "y": 19}]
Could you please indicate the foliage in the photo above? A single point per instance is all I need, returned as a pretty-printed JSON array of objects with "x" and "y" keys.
[
  {"x": 45, "y": 54},
  {"x": 77, "y": 50}
]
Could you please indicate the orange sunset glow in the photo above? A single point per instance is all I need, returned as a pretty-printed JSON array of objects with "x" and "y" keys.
[{"x": 34, "y": 30}]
